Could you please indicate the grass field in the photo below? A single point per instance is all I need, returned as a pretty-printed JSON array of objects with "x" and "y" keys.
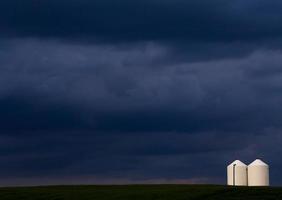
[{"x": 140, "y": 192}]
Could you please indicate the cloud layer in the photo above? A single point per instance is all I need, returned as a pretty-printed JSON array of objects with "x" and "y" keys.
[{"x": 151, "y": 91}]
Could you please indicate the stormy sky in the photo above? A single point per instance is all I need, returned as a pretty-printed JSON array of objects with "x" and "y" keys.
[{"x": 151, "y": 91}]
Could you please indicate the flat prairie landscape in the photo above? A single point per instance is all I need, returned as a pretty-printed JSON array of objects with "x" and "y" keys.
[{"x": 141, "y": 192}]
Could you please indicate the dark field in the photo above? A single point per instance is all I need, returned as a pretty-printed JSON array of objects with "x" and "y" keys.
[{"x": 140, "y": 192}]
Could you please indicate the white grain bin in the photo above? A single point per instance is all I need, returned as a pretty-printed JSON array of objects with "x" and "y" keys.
[
  {"x": 237, "y": 174},
  {"x": 258, "y": 173}
]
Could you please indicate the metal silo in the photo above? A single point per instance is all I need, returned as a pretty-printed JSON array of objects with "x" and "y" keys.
[
  {"x": 237, "y": 174},
  {"x": 258, "y": 173}
]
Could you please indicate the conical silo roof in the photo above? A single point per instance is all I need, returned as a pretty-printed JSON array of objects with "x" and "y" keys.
[
  {"x": 258, "y": 162},
  {"x": 238, "y": 163}
]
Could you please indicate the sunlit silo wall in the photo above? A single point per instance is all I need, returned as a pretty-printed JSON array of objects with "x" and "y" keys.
[
  {"x": 237, "y": 174},
  {"x": 258, "y": 173}
]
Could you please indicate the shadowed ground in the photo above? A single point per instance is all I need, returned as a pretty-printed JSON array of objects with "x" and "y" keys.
[{"x": 140, "y": 192}]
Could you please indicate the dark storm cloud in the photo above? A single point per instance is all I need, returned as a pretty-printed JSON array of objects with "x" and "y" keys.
[
  {"x": 124, "y": 91},
  {"x": 163, "y": 157},
  {"x": 65, "y": 86},
  {"x": 20, "y": 113},
  {"x": 193, "y": 30},
  {"x": 126, "y": 20},
  {"x": 68, "y": 109}
]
